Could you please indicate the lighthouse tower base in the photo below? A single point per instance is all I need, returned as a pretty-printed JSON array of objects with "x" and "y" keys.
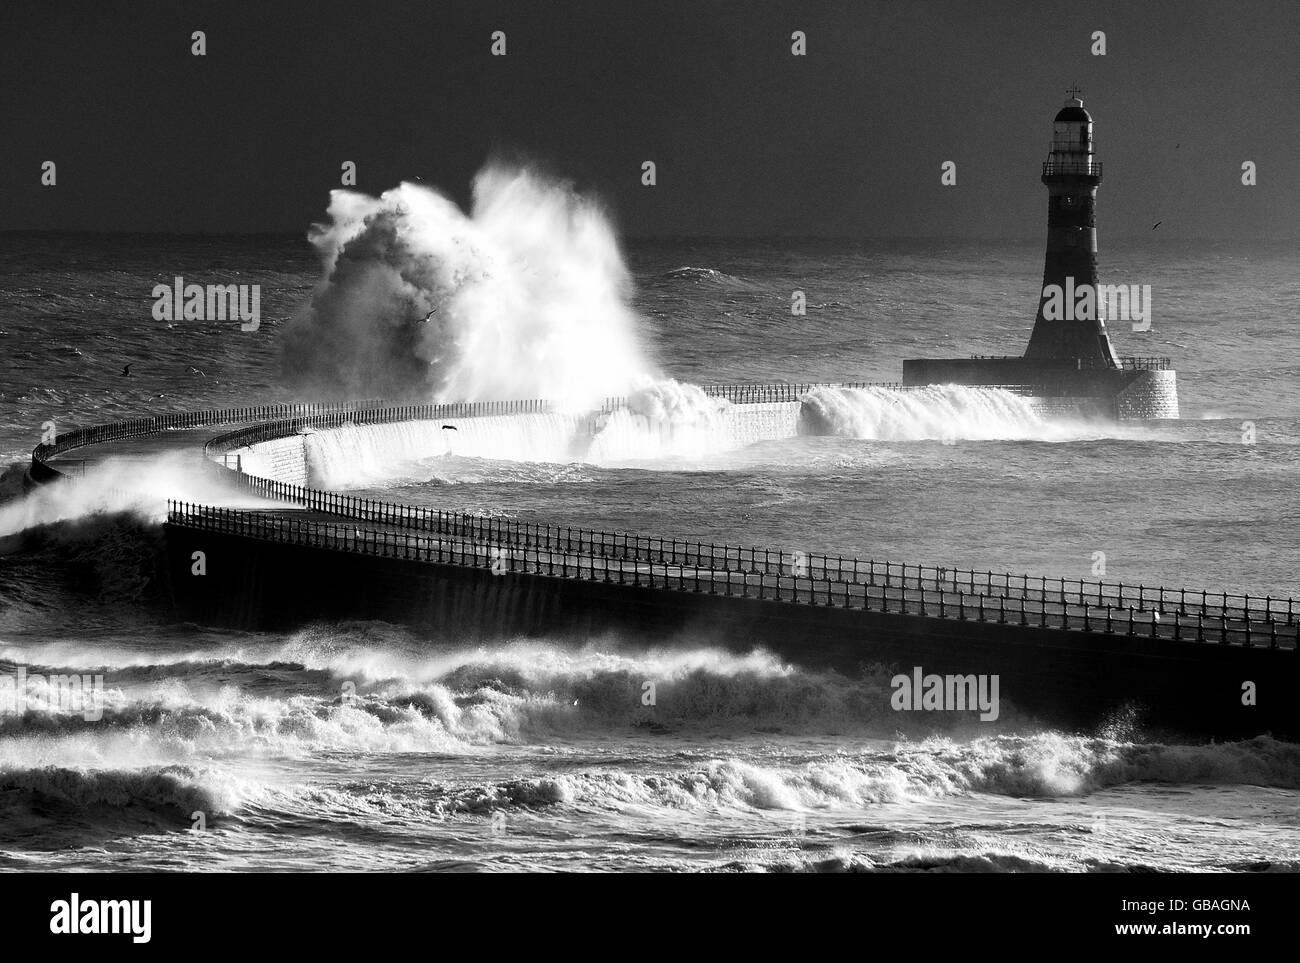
[{"x": 1142, "y": 389}]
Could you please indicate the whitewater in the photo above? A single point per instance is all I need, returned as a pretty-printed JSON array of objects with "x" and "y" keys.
[
  {"x": 503, "y": 758},
  {"x": 367, "y": 746},
  {"x": 667, "y": 424}
]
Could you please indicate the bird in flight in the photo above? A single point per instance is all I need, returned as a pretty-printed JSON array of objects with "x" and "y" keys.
[{"x": 1156, "y": 224}]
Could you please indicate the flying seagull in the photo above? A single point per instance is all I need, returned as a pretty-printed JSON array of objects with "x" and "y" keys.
[
  {"x": 450, "y": 427},
  {"x": 1156, "y": 224}
]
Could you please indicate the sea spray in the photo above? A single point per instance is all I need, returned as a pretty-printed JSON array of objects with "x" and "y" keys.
[
  {"x": 662, "y": 420},
  {"x": 940, "y": 412},
  {"x": 140, "y": 486},
  {"x": 666, "y": 419},
  {"x": 527, "y": 296}
]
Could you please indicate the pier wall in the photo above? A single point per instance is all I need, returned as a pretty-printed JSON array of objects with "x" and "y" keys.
[
  {"x": 284, "y": 459},
  {"x": 292, "y": 457},
  {"x": 1067, "y": 407},
  {"x": 1153, "y": 395},
  {"x": 603, "y": 435},
  {"x": 1068, "y": 677},
  {"x": 764, "y": 421},
  {"x": 1141, "y": 390}
]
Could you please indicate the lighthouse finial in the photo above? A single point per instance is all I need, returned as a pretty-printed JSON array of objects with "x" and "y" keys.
[{"x": 1074, "y": 92}]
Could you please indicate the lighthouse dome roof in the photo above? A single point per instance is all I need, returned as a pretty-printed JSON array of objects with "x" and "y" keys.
[{"x": 1073, "y": 111}]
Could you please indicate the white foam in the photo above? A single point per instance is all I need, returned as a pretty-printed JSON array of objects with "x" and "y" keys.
[
  {"x": 525, "y": 296},
  {"x": 139, "y": 485},
  {"x": 939, "y": 412},
  {"x": 666, "y": 420}
]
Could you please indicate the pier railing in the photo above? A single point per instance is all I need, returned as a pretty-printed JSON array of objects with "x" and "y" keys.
[
  {"x": 181, "y": 420},
  {"x": 764, "y": 394},
  {"x": 761, "y": 394},
  {"x": 1153, "y": 601},
  {"x": 273, "y": 418},
  {"x": 726, "y": 571},
  {"x": 1145, "y": 364}
]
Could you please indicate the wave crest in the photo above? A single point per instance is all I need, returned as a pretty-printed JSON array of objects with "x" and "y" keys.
[
  {"x": 938, "y": 413},
  {"x": 527, "y": 296}
]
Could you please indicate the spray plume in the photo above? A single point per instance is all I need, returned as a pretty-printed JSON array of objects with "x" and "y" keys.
[{"x": 527, "y": 296}]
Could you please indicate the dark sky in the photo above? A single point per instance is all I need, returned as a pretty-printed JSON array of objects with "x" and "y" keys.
[{"x": 748, "y": 139}]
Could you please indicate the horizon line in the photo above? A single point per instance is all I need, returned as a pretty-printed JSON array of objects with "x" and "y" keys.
[{"x": 300, "y": 235}]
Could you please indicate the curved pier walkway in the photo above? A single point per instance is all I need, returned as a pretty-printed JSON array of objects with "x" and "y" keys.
[{"x": 339, "y": 522}]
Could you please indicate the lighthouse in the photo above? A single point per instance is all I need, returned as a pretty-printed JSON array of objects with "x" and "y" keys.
[
  {"x": 1072, "y": 174},
  {"x": 1070, "y": 366}
]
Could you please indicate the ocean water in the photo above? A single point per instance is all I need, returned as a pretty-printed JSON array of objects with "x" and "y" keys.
[{"x": 539, "y": 755}]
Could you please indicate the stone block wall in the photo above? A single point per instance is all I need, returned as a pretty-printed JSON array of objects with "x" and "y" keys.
[
  {"x": 282, "y": 459},
  {"x": 1154, "y": 394}
]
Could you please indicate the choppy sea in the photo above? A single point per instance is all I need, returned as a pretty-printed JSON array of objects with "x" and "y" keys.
[{"x": 537, "y": 755}]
